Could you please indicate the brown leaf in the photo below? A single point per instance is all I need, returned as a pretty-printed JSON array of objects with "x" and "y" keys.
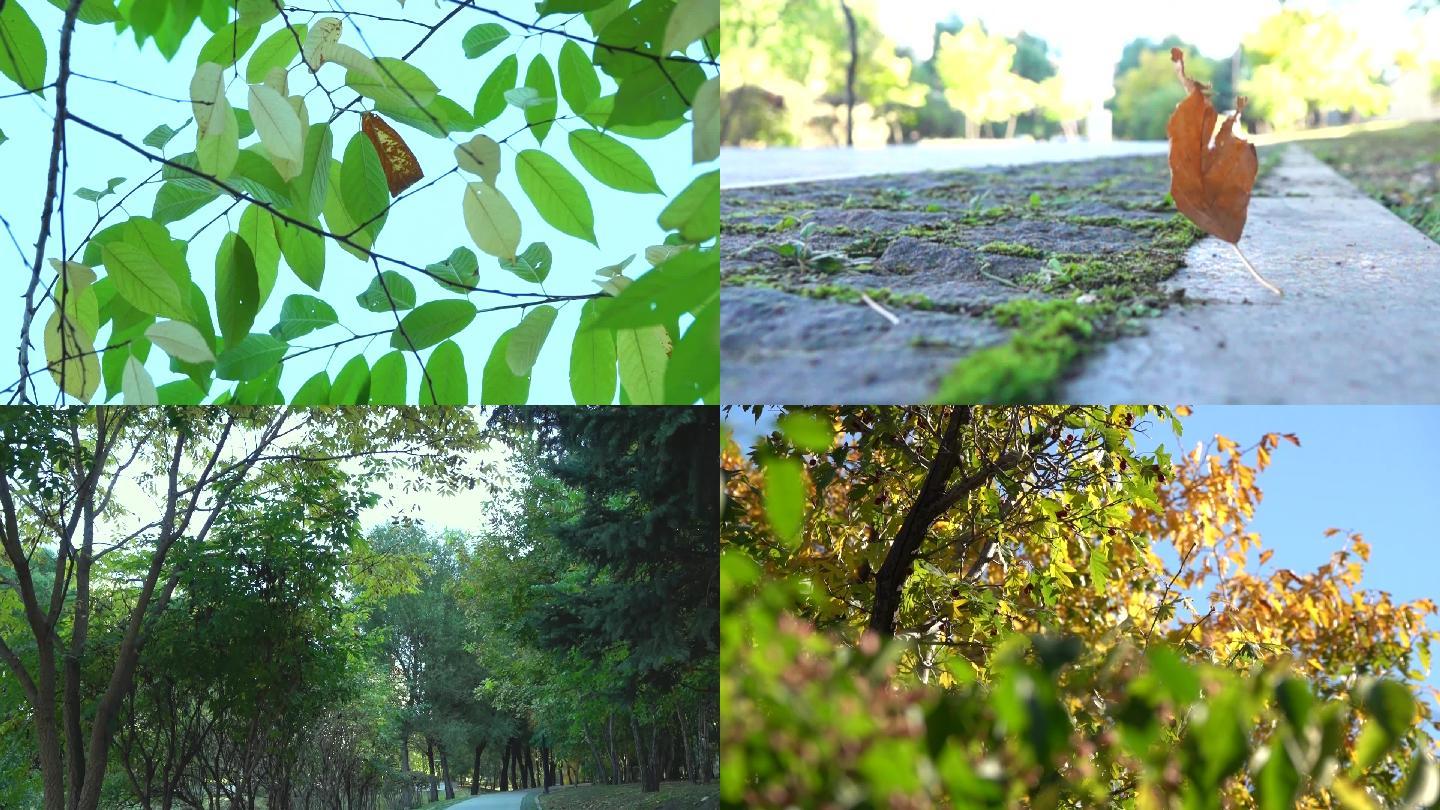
[
  {"x": 402, "y": 170},
  {"x": 1210, "y": 182}
]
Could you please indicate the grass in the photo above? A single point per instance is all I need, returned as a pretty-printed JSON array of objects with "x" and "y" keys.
[
  {"x": 1400, "y": 167},
  {"x": 672, "y": 796}
]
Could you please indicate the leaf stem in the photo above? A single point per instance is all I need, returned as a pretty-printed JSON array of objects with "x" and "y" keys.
[{"x": 1248, "y": 266}]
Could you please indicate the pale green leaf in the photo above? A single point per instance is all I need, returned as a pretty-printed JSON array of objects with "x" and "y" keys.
[
  {"x": 559, "y": 198},
  {"x": 528, "y": 337},
  {"x": 491, "y": 220}
]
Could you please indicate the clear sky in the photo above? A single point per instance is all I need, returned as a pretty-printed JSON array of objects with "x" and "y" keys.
[
  {"x": 1090, "y": 36},
  {"x": 422, "y": 229}
]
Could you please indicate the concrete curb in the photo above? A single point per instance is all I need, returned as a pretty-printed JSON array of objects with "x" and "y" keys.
[{"x": 1359, "y": 322}]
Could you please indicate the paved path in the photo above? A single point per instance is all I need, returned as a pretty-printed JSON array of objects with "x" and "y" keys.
[
  {"x": 757, "y": 167},
  {"x": 1359, "y": 322},
  {"x": 509, "y": 800}
]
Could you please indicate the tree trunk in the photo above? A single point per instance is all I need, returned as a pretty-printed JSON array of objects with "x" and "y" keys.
[
  {"x": 649, "y": 781},
  {"x": 690, "y": 771},
  {"x": 529, "y": 766},
  {"x": 850, "y": 74},
  {"x": 702, "y": 744},
  {"x": 475, "y": 773},
  {"x": 445, "y": 773},
  {"x": 430, "y": 754},
  {"x": 1010, "y": 128},
  {"x": 614, "y": 760},
  {"x": 545, "y": 776}
]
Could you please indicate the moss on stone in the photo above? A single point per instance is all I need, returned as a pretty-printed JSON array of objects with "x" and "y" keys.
[{"x": 1013, "y": 249}]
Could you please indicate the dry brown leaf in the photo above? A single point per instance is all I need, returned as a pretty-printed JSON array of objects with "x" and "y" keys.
[
  {"x": 402, "y": 170},
  {"x": 1210, "y": 182}
]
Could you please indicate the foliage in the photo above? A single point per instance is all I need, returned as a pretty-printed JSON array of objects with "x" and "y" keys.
[
  {"x": 1290, "y": 82},
  {"x": 1076, "y": 622},
  {"x": 302, "y": 170},
  {"x": 975, "y": 69}
]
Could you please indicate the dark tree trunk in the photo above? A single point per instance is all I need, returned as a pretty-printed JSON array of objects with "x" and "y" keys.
[
  {"x": 850, "y": 74},
  {"x": 445, "y": 773},
  {"x": 614, "y": 760},
  {"x": 430, "y": 755},
  {"x": 505, "y": 767},
  {"x": 649, "y": 778},
  {"x": 529, "y": 766},
  {"x": 475, "y": 773}
]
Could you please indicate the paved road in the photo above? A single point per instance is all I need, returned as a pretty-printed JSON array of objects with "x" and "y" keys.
[
  {"x": 509, "y": 800},
  {"x": 759, "y": 167}
]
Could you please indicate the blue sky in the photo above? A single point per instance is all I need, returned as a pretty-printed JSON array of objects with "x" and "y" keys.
[{"x": 422, "y": 229}]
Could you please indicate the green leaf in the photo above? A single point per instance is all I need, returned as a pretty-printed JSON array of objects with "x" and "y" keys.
[
  {"x": 315, "y": 391},
  {"x": 807, "y": 431},
  {"x": 1099, "y": 568},
  {"x": 693, "y": 372},
  {"x": 705, "y": 134},
  {"x": 22, "y": 49},
  {"x": 254, "y": 355},
  {"x": 431, "y": 323},
  {"x": 362, "y": 184},
  {"x": 444, "y": 381},
  {"x": 304, "y": 252},
  {"x": 387, "y": 379},
  {"x": 1422, "y": 786},
  {"x": 683, "y": 283},
  {"x": 500, "y": 385},
  {"x": 217, "y": 144},
  {"x": 301, "y": 315},
  {"x": 548, "y": 7},
  {"x": 227, "y": 45},
  {"x": 480, "y": 156},
  {"x": 612, "y": 162},
  {"x": 599, "y": 116},
  {"x": 642, "y": 355},
  {"x": 1390, "y": 703},
  {"x": 532, "y": 265},
  {"x": 237, "y": 289},
  {"x": 592, "y": 359},
  {"x": 309, "y": 188},
  {"x": 691, "y": 20},
  {"x": 181, "y": 341},
  {"x": 388, "y": 290},
  {"x": 160, "y": 136},
  {"x": 255, "y": 176},
  {"x": 459, "y": 273},
  {"x": 695, "y": 212},
  {"x": 92, "y": 12},
  {"x": 257, "y": 228},
  {"x": 785, "y": 499},
  {"x": 94, "y": 195},
  {"x": 177, "y": 199},
  {"x": 142, "y": 281},
  {"x": 558, "y": 196},
  {"x": 256, "y": 12},
  {"x": 136, "y": 384},
  {"x": 352, "y": 384},
  {"x": 649, "y": 95},
  {"x": 279, "y": 127},
  {"x": 445, "y": 112},
  {"x": 540, "y": 117},
  {"x": 483, "y": 39},
  {"x": 578, "y": 82},
  {"x": 393, "y": 82},
  {"x": 180, "y": 392},
  {"x": 491, "y": 220},
  {"x": 490, "y": 101},
  {"x": 278, "y": 50},
  {"x": 528, "y": 337}
]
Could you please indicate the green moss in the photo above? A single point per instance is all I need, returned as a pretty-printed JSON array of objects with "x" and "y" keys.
[
  {"x": 1049, "y": 336},
  {"x": 1013, "y": 249},
  {"x": 851, "y": 295}
]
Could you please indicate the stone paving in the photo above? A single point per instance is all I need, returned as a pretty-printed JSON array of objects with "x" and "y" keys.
[{"x": 1071, "y": 281}]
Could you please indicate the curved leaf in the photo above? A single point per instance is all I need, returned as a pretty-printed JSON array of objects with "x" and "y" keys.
[
  {"x": 557, "y": 195},
  {"x": 541, "y": 116},
  {"x": 301, "y": 315},
  {"x": 431, "y": 323},
  {"x": 483, "y": 39},
  {"x": 491, "y": 220},
  {"x": 181, "y": 341},
  {"x": 578, "y": 82},
  {"x": 254, "y": 355},
  {"x": 490, "y": 101},
  {"x": 612, "y": 162},
  {"x": 444, "y": 381},
  {"x": 643, "y": 354},
  {"x": 22, "y": 49},
  {"x": 592, "y": 360},
  {"x": 528, "y": 337}
]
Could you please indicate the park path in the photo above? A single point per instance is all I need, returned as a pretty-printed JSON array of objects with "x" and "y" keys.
[
  {"x": 741, "y": 168},
  {"x": 509, "y": 800},
  {"x": 1358, "y": 321}
]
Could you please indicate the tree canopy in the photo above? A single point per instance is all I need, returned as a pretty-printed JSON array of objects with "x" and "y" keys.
[{"x": 1039, "y": 605}]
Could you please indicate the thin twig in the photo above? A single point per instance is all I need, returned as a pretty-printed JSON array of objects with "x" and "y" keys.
[
  {"x": 884, "y": 313},
  {"x": 1248, "y": 266}
]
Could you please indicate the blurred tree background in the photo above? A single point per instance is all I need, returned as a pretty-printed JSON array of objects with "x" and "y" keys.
[{"x": 789, "y": 79}]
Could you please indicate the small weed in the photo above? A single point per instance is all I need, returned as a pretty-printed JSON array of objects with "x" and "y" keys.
[{"x": 806, "y": 257}]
